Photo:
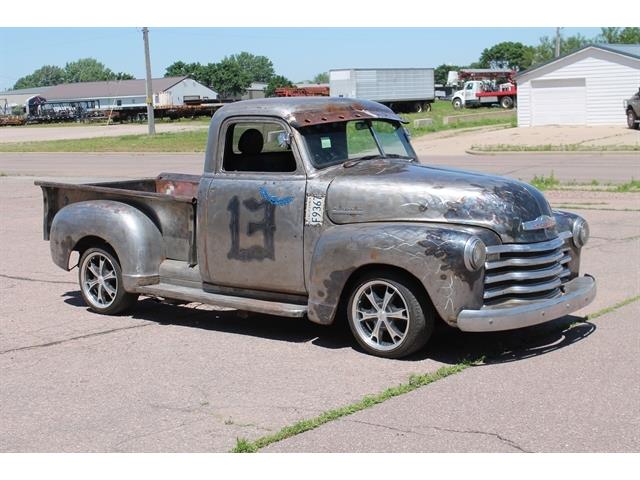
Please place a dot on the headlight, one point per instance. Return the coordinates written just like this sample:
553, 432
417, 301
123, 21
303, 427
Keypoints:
475, 253
580, 232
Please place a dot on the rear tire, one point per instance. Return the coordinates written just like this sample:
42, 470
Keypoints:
100, 279
506, 102
388, 315
632, 119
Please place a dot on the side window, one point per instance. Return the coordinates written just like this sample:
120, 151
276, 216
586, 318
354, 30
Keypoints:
257, 147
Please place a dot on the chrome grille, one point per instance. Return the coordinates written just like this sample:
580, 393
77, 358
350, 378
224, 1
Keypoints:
526, 271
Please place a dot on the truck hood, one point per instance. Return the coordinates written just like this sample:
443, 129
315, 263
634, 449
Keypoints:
395, 190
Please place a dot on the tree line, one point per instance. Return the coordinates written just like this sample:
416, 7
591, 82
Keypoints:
82, 70
231, 76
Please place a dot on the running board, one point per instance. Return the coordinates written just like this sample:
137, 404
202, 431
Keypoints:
190, 294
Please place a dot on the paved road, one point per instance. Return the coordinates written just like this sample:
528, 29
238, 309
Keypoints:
567, 168
190, 378
575, 391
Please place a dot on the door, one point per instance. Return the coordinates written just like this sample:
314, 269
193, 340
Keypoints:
255, 210
470, 92
559, 102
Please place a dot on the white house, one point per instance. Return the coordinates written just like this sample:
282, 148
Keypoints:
585, 87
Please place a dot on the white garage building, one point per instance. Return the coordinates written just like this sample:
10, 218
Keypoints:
586, 87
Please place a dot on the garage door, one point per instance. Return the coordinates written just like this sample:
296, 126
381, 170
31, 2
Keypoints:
559, 102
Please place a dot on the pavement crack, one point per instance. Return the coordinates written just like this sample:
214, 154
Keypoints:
38, 280
71, 339
502, 438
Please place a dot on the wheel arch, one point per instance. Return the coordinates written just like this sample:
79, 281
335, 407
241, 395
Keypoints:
91, 241
381, 269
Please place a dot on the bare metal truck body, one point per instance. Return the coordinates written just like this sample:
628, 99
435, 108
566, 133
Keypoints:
318, 207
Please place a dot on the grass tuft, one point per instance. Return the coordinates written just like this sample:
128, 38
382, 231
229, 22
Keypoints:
552, 183
632, 186
545, 183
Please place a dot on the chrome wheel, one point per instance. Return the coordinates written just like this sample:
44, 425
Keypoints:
380, 315
98, 280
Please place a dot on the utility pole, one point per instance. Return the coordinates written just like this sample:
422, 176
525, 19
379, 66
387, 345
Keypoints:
557, 42
147, 60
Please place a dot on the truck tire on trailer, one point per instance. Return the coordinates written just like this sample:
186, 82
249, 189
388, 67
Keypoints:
420, 107
457, 103
506, 102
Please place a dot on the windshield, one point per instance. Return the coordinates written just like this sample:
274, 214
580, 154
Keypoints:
334, 143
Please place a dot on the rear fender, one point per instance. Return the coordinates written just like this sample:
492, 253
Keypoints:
136, 240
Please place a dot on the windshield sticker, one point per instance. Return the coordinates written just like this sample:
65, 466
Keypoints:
314, 211
325, 142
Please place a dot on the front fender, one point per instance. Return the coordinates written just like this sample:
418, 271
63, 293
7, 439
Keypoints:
433, 253
136, 240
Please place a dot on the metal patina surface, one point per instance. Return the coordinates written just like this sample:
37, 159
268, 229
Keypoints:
394, 190
134, 237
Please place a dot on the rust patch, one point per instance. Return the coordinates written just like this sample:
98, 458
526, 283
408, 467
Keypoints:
340, 112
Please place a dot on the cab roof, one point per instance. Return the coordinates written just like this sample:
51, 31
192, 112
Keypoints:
306, 111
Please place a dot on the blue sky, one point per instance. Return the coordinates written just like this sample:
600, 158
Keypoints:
297, 53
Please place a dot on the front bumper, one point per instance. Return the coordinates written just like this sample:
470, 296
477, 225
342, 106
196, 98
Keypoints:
578, 293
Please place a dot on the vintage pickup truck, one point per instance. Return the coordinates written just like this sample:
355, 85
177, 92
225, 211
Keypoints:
318, 207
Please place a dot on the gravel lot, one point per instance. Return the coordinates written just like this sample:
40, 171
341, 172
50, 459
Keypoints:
192, 379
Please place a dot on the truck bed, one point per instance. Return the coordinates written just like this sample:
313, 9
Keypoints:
169, 200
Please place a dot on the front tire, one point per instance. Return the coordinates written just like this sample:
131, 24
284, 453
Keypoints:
389, 316
100, 278
457, 103
632, 120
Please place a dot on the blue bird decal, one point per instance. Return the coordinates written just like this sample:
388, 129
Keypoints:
273, 200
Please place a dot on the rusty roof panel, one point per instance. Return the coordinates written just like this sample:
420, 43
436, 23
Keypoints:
306, 111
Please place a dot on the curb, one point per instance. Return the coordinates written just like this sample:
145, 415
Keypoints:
553, 152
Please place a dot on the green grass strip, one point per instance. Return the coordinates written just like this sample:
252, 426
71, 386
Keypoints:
570, 147
612, 308
415, 381
602, 209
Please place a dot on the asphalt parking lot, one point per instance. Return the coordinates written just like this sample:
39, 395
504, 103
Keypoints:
194, 379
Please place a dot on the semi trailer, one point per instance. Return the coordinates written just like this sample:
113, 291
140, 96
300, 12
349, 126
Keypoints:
400, 89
